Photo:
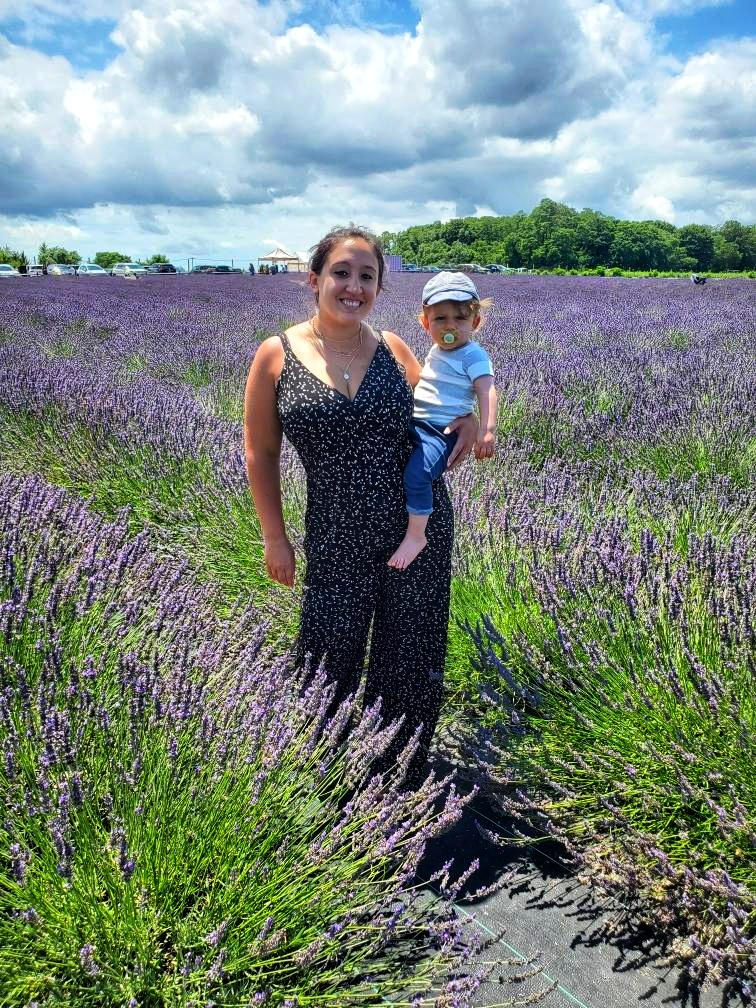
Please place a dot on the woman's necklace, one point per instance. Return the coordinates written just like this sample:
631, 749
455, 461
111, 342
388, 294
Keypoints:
342, 353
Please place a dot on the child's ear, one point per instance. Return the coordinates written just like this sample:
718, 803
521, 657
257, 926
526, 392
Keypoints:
423, 317
476, 321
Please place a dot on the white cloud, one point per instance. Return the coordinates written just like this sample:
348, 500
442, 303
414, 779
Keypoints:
215, 123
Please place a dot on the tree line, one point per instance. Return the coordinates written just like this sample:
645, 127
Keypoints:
555, 236
68, 257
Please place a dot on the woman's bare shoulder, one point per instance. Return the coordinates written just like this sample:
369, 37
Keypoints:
269, 358
397, 346
395, 343
404, 355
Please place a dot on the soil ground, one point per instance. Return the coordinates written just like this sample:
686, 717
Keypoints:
590, 952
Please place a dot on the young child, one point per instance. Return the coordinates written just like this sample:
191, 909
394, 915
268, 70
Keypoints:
457, 371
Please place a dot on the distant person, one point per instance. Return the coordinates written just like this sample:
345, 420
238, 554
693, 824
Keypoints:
251, 269
457, 371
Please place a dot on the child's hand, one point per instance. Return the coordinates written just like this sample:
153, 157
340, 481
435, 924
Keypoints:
485, 446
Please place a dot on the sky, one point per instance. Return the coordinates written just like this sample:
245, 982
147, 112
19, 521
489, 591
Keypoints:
217, 129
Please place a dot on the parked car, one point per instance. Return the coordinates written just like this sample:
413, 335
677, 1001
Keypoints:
471, 268
8, 271
410, 268
127, 269
216, 269
35, 269
60, 269
161, 268
91, 269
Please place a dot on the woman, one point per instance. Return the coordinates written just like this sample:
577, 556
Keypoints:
342, 395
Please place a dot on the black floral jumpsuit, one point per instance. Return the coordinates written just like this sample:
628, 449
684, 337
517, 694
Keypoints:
354, 453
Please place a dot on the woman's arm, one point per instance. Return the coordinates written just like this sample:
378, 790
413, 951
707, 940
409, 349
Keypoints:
262, 445
467, 428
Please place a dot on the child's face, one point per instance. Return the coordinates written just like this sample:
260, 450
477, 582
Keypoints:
450, 317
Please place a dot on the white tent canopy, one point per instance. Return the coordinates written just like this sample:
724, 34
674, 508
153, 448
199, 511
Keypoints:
280, 257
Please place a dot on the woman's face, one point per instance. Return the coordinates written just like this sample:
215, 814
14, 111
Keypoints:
347, 286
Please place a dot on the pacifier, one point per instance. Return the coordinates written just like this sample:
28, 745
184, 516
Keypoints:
449, 337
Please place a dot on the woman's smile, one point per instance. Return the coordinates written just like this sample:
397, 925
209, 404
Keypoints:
348, 284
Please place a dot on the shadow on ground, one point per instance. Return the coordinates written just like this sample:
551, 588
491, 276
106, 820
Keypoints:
591, 949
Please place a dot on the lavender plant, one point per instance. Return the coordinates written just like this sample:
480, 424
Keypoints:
184, 820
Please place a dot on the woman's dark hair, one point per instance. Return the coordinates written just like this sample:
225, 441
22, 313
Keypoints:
320, 252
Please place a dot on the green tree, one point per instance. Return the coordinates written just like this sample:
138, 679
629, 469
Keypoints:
108, 259
433, 252
12, 258
698, 242
387, 242
550, 216
57, 254
459, 253
480, 252
726, 254
554, 235
744, 238
627, 249
595, 233
159, 258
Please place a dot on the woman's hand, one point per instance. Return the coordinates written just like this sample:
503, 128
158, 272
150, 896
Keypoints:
467, 428
279, 561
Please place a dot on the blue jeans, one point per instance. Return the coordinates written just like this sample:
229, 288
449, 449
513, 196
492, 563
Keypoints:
430, 454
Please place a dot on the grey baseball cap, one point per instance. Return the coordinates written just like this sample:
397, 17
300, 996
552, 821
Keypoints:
446, 286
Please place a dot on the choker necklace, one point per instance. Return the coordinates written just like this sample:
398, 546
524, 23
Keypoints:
342, 353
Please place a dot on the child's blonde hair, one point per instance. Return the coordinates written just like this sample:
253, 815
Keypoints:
474, 306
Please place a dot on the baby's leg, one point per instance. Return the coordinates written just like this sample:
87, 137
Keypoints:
414, 541
427, 462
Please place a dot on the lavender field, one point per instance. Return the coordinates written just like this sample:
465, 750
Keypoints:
601, 674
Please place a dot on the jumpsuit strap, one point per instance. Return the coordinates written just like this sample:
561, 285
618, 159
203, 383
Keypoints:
383, 342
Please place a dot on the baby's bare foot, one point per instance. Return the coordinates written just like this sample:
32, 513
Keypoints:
407, 550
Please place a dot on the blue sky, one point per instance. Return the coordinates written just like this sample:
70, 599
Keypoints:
88, 46
689, 32
218, 127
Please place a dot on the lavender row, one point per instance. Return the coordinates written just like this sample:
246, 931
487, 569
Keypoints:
617, 688
183, 819
608, 375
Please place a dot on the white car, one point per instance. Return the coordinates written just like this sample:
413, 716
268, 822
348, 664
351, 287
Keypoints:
126, 269
60, 269
8, 271
91, 269
35, 269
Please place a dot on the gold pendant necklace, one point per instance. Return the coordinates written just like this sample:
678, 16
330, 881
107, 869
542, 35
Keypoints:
342, 353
